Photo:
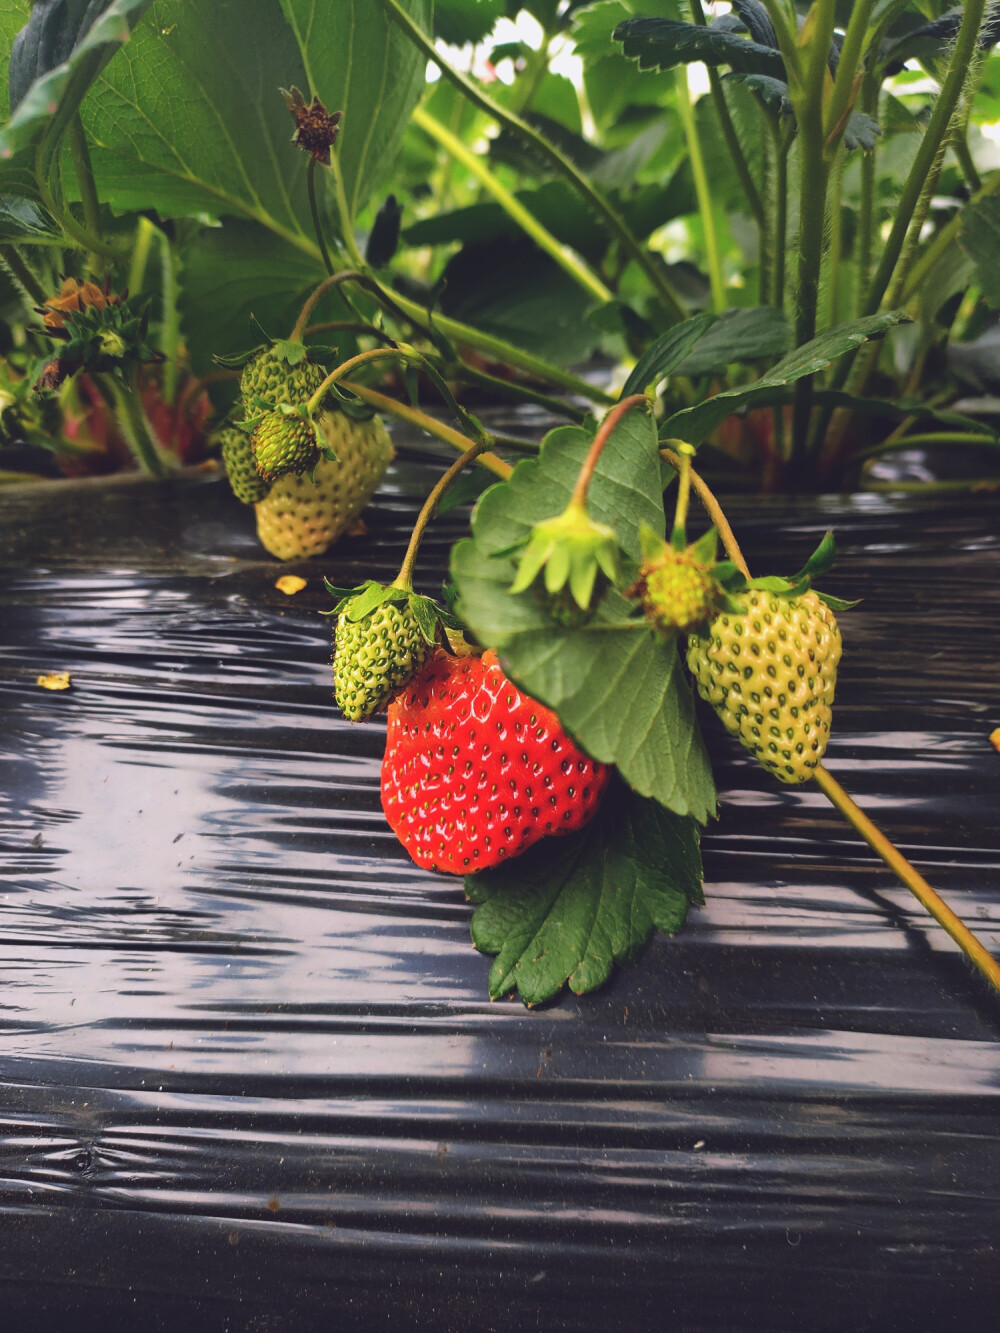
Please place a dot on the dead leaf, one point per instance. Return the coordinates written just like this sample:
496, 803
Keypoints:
290, 584
54, 680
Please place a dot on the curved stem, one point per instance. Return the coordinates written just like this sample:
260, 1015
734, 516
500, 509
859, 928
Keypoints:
702, 191
382, 403
714, 511
935, 135
344, 213
685, 453
84, 170
22, 274
410, 313
512, 206
611, 218
941, 241
134, 426
915, 882
316, 221
404, 579
610, 421
347, 326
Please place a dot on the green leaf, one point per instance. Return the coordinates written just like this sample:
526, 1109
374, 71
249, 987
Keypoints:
862, 132
45, 96
359, 62
22, 221
770, 92
695, 424
664, 356
617, 687
981, 241
739, 335
662, 44
462, 21
573, 908
239, 275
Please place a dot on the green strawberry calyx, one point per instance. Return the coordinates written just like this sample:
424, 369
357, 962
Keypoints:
815, 567
572, 549
355, 604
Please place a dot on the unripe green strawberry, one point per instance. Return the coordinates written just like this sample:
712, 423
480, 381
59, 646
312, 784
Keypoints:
271, 379
769, 670
299, 517
283, 445
237, 458
677, 591
374, 657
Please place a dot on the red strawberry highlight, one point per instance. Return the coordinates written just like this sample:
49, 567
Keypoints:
475, 770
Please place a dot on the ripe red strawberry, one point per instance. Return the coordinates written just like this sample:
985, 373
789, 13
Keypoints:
475, 771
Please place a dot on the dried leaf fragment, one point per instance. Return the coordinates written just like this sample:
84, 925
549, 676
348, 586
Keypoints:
290, 584
995, 739
54, 680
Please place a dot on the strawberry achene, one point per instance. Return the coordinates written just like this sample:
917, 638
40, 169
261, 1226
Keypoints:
475, 770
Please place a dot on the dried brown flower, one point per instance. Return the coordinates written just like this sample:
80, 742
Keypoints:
316, 128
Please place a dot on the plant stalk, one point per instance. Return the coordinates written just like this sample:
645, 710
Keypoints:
611, 218
512, 206
316, 220
145, 449
714, 511
83, 167
702, 191
915, 882
382, 403
171, 329
22, 274
404, 579
608, 423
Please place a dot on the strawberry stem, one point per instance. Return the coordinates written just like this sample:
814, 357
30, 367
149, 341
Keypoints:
383, 403
610, 421
685, 452
314, 210
925, 895
404, 578
714, 511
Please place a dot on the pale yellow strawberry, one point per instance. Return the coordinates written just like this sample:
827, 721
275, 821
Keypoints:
301, 518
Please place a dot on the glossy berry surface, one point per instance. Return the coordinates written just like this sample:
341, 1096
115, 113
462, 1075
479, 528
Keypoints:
475, 771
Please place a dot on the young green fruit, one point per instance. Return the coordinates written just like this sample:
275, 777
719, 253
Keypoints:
270, 379
283, 445
300, 517
676, 588
237, 458
769, 669
374, 657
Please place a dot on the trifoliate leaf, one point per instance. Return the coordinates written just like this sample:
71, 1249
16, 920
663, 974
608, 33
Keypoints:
573, 908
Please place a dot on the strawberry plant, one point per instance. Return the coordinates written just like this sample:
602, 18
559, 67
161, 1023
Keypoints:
782, 274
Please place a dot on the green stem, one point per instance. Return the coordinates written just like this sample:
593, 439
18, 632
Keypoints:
382, 403
678, 536
749, 186
782, 146
512, 206
839, 108
960, 147
942, 241
134, 426
936, 135
84, 175
316, 220
702, 191
608, 423
144, 232
915, 882
22, 274
347, 236
403, 308
404, 579
171, 328
611, 218
713, 509
866, 212
832, 282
